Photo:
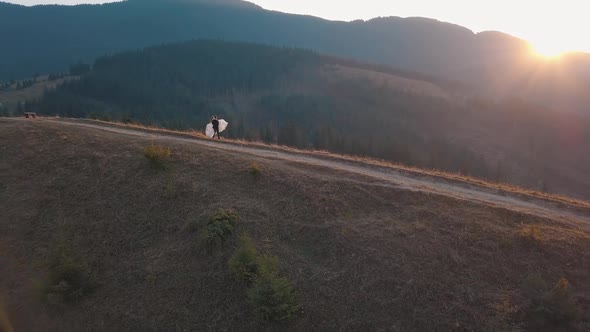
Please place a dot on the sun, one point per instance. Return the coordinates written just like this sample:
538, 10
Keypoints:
550, 51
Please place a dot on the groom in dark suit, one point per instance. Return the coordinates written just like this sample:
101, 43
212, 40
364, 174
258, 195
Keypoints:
215, 124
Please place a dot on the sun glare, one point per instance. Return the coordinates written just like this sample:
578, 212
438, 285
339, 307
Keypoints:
551, 50
548, 51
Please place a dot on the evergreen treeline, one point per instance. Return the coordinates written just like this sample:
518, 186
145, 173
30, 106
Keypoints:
267, 93
25, 84
6, 85
57, 76
284, 96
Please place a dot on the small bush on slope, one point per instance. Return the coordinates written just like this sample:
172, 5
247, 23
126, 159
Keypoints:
219, 227
157, 155
255, 170
272, 296
244, 262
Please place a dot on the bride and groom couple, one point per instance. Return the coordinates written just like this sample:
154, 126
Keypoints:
215, 126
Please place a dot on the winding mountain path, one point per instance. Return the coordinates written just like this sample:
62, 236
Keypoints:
574, 212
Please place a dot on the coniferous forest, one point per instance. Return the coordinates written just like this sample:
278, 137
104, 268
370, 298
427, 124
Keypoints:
303, 99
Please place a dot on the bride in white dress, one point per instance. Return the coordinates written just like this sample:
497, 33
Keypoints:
210, 131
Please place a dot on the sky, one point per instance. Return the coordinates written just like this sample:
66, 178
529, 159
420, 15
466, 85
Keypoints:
552, 26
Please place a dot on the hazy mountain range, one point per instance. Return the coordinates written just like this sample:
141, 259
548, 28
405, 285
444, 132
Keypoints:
44, 39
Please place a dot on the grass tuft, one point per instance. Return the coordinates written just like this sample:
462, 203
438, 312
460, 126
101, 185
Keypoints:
255, 170
530, 234
157, 155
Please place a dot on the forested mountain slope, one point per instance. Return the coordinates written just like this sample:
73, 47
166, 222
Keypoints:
43, 39
300, 98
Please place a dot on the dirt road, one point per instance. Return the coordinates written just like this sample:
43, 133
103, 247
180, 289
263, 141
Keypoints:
570, 213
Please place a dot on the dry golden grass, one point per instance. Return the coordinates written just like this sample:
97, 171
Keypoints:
360, 256
447, 176
10, 98
255, 170
158, 155
530, 234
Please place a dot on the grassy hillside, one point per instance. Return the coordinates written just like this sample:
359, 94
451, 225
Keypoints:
359, 255
11, 95
300, 98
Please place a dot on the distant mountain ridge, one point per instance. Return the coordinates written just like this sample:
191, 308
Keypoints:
42, 39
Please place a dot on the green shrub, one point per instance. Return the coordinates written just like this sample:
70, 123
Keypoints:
268, 265
247, 264
220, 226
244, 262
554, 305
157, 155
255, 170
273, 297
68, 281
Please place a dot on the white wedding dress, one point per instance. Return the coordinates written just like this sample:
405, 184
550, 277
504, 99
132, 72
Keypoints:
209, 129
